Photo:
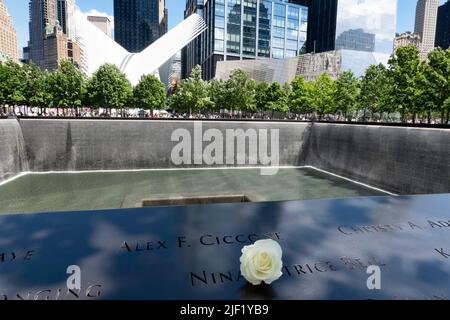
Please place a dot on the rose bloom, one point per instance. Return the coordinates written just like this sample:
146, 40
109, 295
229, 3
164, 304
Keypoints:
261, 262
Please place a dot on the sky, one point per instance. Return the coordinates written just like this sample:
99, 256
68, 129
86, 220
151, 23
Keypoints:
18, 9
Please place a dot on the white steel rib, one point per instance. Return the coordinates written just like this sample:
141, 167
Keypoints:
97, 48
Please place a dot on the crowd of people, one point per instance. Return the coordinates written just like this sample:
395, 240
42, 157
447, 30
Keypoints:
170, 114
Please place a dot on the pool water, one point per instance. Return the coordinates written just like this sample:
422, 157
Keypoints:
38, 192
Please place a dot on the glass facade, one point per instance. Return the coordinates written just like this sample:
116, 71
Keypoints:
363, 25
191, 55
252, 29
264, 28
443, 27
366, 25
138, 23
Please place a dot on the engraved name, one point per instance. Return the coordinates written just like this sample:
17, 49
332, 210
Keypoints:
311, 268
91, 292
406, 226
16, 256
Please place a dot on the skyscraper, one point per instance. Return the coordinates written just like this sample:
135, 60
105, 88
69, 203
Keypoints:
425, 26
138, 23
191, 54
443, 26
42, 23
65, 12
8, 36
52, 33
364, 25
246, 29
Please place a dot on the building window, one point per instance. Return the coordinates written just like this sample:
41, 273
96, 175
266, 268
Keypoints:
290, 54
293, 13
278, 42
280, 10
219, 34
234, 26
277, 53
218, 45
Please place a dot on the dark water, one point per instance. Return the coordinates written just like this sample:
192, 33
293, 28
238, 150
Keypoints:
104, 190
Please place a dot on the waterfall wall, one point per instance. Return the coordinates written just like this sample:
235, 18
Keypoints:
76, 145
13, 158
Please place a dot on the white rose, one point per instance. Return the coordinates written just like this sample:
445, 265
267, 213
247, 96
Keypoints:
261, 262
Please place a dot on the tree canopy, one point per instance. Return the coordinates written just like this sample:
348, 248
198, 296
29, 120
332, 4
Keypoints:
149, 93
406, 89
109, 88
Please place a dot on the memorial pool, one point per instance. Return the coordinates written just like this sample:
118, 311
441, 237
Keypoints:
49, 192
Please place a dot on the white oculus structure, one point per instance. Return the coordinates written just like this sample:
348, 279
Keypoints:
97, 48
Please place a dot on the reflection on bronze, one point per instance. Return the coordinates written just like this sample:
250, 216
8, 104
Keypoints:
261, 292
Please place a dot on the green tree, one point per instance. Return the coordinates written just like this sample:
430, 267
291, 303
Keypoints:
261, 96
299, 98
3, 79
34, 85
109, 88
217, 94
193, 94
240, 91
67, 86
403, 77
47, 93
372, 86
346, 93
435, 84
277, 98
321, 94
149, 93
12, 85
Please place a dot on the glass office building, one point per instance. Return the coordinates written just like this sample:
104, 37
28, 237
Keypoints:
363, 25
139, 23
251, 29
443, 26
192, 53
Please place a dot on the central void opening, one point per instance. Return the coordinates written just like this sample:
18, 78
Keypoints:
49, 192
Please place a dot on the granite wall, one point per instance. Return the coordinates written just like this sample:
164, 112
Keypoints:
60, 145
398, 159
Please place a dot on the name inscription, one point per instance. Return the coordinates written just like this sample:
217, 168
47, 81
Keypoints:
311, 268
16, 256
406, 226
206, 240
91, 292
443, 252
